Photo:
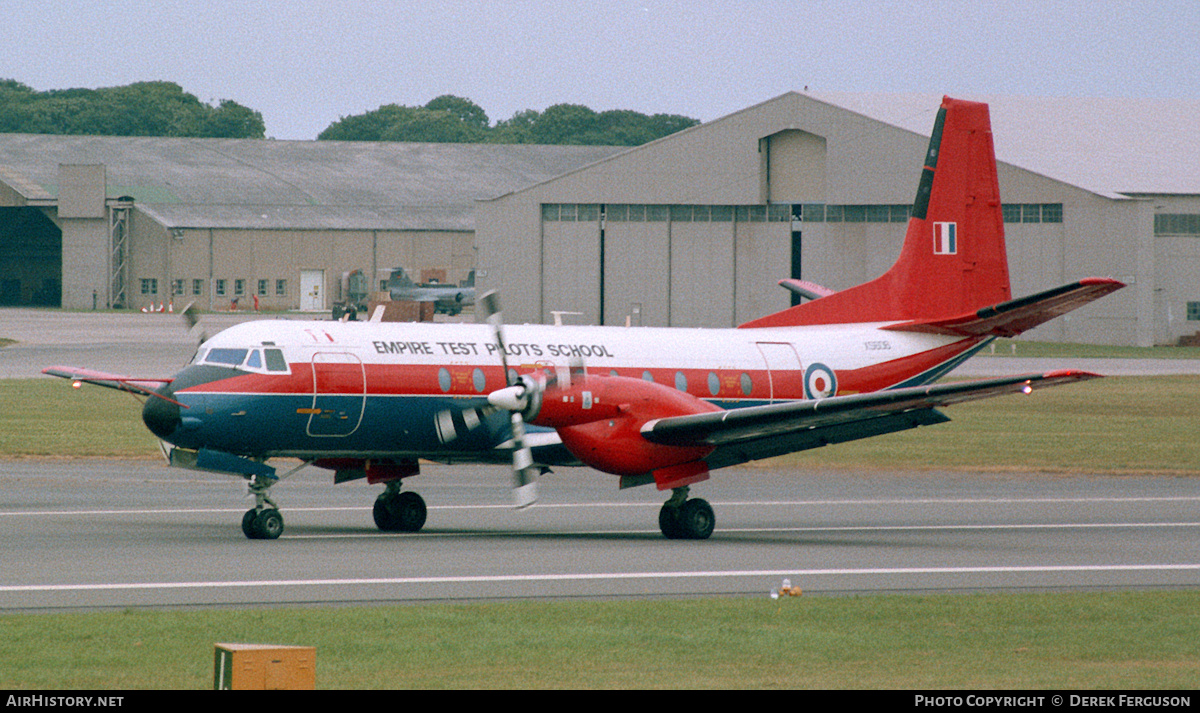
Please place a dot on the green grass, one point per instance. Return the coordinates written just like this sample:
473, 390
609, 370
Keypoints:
1112, 425
48, 417
1130, 640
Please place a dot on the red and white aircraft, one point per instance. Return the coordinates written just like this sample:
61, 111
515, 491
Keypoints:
662, 406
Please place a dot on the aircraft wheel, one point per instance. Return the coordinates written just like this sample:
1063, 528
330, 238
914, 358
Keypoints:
248, 523
668, 522
262, 524
696, 519
400, 512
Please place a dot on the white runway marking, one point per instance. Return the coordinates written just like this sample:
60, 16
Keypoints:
599, 576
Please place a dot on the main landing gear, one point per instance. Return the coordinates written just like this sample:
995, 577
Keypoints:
683, 519
397, 511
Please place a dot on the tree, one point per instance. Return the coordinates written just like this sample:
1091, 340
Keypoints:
139, 109
465, 110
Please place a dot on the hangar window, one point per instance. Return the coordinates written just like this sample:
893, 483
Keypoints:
879, 214
281, 288
587, 212
722, 213
1177, 224
197, 287
550, 212
637, 213
779, 213
1052, 212
176, 287
1031, 213
751, 213
219, 286
262, 287
854, 213
1193, 311
239, 287
833, 214
149, 286
900, 213
617, 212
681, 213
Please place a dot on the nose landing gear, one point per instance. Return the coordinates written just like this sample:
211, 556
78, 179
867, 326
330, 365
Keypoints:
263, 521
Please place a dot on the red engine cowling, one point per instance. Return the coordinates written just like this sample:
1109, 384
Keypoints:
600, 418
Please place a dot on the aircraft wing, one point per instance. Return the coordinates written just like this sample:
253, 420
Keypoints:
141, 387
751, 433
1015, 316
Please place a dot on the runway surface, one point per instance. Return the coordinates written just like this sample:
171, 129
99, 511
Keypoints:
85, 534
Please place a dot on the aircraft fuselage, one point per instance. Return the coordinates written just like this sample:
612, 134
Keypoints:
406, 390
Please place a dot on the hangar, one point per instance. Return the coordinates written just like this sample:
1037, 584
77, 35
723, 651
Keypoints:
694, 229
88, 221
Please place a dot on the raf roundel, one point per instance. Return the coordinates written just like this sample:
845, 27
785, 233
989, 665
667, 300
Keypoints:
819, 382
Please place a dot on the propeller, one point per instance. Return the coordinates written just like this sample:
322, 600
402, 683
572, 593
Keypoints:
521, 395
191, 319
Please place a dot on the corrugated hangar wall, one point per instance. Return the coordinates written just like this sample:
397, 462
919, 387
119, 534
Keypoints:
697, 228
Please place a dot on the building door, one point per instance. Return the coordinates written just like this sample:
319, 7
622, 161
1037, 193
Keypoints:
312, 290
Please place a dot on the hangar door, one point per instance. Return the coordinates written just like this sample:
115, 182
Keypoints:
30, 259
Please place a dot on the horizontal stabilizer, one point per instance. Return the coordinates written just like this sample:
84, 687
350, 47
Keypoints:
806, 289
1011, 318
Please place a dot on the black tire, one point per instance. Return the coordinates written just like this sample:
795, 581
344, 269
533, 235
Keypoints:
268, 525
402, 512
385, 517
410, 510
696, 519
248, 524
668, 522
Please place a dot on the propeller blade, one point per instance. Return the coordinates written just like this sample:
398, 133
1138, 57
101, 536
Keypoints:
514, 398
524, 472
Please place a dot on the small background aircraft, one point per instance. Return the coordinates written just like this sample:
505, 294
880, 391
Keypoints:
447, 299
648, 405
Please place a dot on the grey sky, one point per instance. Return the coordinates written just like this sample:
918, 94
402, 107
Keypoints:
306, 63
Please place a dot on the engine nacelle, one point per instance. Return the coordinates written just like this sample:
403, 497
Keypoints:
599, 419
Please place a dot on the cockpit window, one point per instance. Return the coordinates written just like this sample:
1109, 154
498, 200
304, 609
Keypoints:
227, 357
275, 360
255, 360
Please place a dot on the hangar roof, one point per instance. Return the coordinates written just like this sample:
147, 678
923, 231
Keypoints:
1110, 146
257, 183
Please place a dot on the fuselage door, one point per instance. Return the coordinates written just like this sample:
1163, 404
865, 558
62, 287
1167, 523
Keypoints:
785, 374
339, 394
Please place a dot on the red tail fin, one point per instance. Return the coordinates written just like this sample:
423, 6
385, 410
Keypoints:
953, 259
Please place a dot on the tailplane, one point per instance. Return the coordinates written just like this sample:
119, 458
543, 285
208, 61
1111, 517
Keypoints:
953, 260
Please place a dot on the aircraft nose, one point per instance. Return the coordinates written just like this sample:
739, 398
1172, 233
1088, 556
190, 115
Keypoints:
161, 416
